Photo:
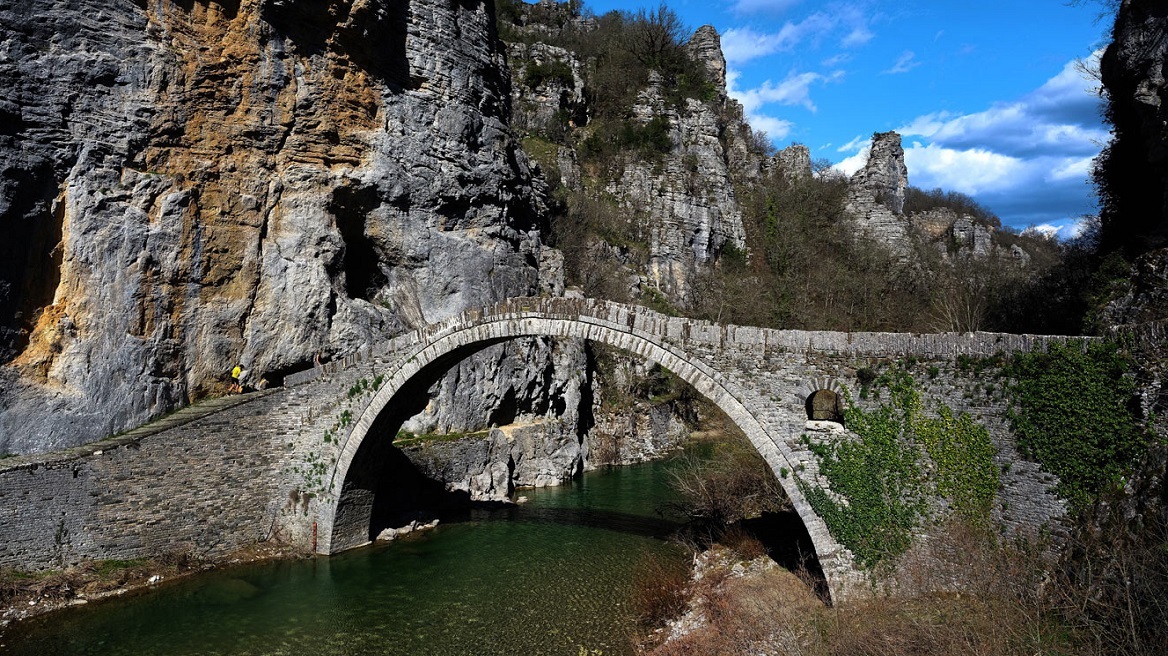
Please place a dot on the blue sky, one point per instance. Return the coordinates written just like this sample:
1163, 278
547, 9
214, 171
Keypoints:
986, 94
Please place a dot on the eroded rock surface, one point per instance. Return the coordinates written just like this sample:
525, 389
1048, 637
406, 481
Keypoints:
1135, 164
876, 196
187, 186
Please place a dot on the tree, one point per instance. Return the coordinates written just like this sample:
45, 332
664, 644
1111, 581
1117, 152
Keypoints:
655, 38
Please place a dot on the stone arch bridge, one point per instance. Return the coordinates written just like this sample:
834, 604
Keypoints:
298, 463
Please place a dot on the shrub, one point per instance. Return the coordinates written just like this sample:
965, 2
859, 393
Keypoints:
1073, 415
538, 74
734, 484
921, 200
659, 589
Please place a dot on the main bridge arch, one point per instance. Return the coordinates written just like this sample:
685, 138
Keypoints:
345, 514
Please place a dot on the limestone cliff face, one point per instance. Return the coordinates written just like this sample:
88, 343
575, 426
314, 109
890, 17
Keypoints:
1133, 169
682, 205
1132, 176
186, 185
686, 203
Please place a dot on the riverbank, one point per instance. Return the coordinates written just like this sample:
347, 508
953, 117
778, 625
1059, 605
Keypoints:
25, 595
966, 592
552, 575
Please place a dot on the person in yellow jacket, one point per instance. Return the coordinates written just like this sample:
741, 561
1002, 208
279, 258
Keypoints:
237, 385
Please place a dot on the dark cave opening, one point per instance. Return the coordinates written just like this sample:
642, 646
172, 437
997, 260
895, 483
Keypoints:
30, 253
351, 206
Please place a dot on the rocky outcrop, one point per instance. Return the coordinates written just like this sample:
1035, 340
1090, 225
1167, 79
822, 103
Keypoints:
502, 386
1146, 297
490, 467
884, 176
876, 204
794, 161
186, 186
685, 204
956, 235
1133, 169
876, 195
549, 96
681, 206
1138, 317
647, 432
706, 46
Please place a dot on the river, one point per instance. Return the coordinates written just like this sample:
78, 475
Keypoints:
551, 576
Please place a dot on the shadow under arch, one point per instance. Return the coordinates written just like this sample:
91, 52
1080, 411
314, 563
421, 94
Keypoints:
345, 516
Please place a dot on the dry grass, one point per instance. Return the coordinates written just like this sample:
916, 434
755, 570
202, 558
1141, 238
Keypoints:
659, 591
764, 611
964, 592
734, 484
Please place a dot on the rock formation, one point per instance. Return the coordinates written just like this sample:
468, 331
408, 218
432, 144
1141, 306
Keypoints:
187, 186
876, 196
876, 203
706, 46
686, 203
794, 160
682, 206
957, 235
1133, 169
1132, 173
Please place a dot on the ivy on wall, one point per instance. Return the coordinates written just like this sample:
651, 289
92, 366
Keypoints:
1072, 410
903, 464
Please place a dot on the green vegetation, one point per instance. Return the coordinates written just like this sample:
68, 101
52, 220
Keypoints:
1073, 414
648, 140
962, 452
880, 491
364, 386
406, 438
600, 241
922, 200
553, 71
880, 479
806, 269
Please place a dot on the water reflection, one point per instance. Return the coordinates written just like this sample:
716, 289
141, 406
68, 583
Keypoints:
548, 577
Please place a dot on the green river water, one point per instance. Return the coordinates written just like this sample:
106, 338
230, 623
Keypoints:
552, 576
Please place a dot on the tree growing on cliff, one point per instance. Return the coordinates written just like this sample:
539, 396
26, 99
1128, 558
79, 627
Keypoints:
655, 38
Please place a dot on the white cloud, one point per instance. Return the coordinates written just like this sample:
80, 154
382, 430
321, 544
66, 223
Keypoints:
793, 90
1061, 229
856, 162
1028, 160
835, 61
905, 63
742, 44
1076, 169
971, 171
1060, 117
856, 19
776, 129
858, 36
857, 144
